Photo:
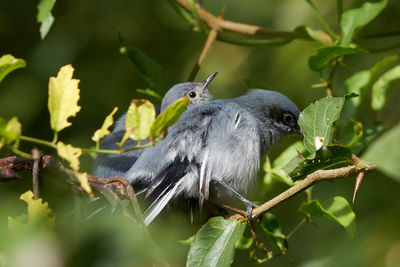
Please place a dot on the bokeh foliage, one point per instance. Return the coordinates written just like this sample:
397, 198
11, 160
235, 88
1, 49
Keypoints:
89, 35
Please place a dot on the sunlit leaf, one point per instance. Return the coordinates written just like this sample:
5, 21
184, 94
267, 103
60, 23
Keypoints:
381, 86
272, 228
326, 157
151, 70
338, 210
276, 170
327, 53
63, 98
44, 16
355, 19
214, 243
139, 119
83, 180
10, 131
38, 213
385, 153
69, 153
8, 63
317, 120
103, 131
168, 117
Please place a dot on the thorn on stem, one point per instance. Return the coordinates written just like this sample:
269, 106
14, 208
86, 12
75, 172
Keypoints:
300, 155
359, 179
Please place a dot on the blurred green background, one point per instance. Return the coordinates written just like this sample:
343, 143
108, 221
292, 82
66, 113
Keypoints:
85, 34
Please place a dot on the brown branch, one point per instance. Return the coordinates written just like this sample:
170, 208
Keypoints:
11, 165
309, 181
212, 36
35, 172
218, 23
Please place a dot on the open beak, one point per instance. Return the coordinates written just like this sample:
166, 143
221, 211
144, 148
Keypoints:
209, 79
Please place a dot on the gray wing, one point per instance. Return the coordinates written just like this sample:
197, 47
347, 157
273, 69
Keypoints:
171, 167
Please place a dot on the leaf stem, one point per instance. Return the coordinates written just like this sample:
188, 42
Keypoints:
297, 227
55, 138
323, 23
39, 141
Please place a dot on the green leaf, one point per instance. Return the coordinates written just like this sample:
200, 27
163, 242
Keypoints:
168, 117
325, 158
103, 131
316, 122
327, 53
351, 134
318, 36
8, 63
288, 154
10, 131
44, 16
276, 171
151, 71
214, 243
359, 82
63, 98
338, 210
272, 228
150, 92
139, 119
38, 213
354, 20
385, 153
244, 243
381, 86
187, 241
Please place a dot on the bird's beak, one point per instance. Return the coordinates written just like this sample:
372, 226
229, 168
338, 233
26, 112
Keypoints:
209, 79
299, 131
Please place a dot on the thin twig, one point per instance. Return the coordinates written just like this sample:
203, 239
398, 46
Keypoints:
215, 22
212, 36
309, 181
36, 156
329, 82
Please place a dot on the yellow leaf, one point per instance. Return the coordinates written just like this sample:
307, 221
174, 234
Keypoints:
103, 131
70, 153
38, 212
83, 180
139, 119
63, 98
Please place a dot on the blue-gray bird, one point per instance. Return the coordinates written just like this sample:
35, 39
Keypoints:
110, 165
213, 146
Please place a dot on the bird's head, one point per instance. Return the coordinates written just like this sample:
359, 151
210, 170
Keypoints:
276, 111
196, 91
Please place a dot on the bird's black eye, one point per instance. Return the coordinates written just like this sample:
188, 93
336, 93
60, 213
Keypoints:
288, 118
192, 94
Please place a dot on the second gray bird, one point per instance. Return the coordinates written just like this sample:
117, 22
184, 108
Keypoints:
216, 145
110, 165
